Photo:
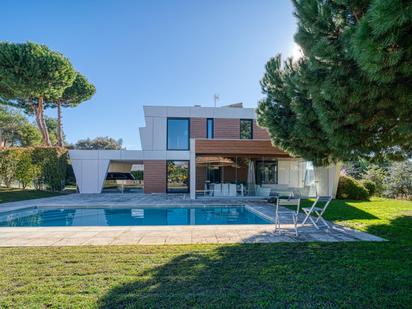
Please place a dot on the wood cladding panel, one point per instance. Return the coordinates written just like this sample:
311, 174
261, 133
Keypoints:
238, 147
154, 176
258, 132
198, 128
227, 128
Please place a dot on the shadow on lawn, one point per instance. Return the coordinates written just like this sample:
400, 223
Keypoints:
399, 229
343, 210
277, 275
229, 276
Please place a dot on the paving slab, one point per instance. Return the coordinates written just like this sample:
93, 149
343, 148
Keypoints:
205, 240
71, 242
125, 241
99, 241
153, 240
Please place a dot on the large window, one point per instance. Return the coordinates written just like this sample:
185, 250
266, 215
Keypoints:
177, 176
246, 128
210, 128
178, 134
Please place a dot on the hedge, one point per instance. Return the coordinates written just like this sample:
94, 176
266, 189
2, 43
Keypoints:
350, 188
45, 167
370, 186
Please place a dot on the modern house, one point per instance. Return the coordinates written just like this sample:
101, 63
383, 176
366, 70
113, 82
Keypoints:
208, 152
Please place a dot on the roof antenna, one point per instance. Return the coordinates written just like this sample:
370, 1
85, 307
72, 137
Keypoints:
216, 98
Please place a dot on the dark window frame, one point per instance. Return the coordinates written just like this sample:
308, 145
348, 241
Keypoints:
167, 133
251, 128
213, 128
167, 176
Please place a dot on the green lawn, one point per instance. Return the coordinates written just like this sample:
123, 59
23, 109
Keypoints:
297, 275
13, 195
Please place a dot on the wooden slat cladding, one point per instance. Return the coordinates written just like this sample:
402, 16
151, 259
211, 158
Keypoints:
258, 132
227, 128
197, 127
238, 147
154, 176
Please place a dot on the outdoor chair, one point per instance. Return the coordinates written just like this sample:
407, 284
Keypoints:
232, 189
318, 210
293, 213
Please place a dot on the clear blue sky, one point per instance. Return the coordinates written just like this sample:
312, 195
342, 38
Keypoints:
154, 53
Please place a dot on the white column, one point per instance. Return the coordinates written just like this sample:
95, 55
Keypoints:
192, 169
90, 174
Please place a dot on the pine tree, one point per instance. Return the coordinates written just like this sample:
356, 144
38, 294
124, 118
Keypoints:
288, 113
81, 90
349, 94
29, 73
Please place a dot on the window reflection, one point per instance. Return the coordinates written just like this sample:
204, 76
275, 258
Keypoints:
246, 129
210, 128
177, 176
178, 134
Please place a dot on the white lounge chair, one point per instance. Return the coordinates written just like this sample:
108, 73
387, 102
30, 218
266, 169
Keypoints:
232, 189
318, 208
293, 213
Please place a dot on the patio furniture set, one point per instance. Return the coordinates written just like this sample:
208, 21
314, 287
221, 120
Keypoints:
317, 209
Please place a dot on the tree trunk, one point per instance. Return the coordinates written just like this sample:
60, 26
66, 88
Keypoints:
2, 140
36, 116
45, 129
59, 125
38, 113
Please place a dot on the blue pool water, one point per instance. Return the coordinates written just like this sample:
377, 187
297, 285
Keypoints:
130, 216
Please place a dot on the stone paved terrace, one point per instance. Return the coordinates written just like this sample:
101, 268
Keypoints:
190, 234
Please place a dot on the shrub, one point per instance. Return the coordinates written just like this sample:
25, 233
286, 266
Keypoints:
44, 166
8, 164
370, 186
399, 180
52, 162
70, 177
376, 174
26, 171
350, 188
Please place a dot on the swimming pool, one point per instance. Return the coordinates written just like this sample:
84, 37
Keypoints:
208, 215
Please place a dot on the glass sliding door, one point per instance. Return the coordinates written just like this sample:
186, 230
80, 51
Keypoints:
253, 175
235, 176
178, 176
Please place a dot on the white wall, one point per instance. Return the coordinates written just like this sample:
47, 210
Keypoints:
91, 166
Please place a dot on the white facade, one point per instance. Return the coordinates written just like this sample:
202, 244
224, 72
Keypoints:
91, 166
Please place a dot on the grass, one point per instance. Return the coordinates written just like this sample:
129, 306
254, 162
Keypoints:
13, 195
297, 275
